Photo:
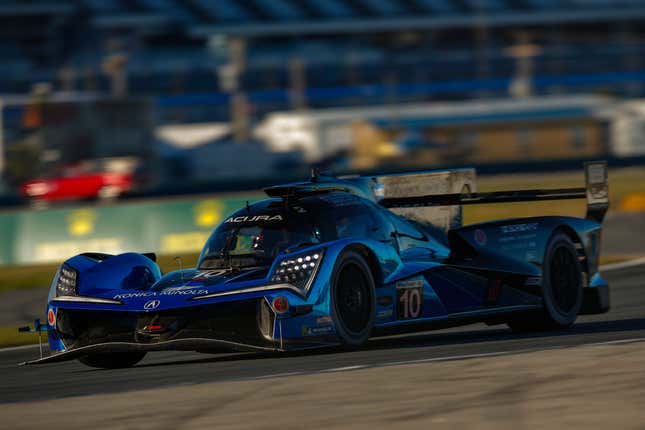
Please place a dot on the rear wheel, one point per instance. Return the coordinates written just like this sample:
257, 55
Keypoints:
561, 289
116, 360
353, 299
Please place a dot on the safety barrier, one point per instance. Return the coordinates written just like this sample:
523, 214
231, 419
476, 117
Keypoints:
169, 226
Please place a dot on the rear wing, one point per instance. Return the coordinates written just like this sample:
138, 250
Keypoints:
405, 187
596, 193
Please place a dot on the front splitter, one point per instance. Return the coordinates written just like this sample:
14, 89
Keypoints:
190, 344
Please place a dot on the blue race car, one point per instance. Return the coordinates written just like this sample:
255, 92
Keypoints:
334, 262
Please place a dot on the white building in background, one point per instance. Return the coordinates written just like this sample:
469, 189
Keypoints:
324, 133
627, 128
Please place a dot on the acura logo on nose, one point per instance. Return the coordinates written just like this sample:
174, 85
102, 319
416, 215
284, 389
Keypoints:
152, 304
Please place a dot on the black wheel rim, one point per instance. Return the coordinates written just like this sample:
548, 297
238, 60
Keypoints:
565, 280
353, 298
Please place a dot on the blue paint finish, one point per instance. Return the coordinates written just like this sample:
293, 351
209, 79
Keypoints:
452, 296
433, 305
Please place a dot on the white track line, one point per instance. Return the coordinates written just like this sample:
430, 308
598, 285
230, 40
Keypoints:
279, 375
454, 357
622, 265
457, 357
346, 368
617, 342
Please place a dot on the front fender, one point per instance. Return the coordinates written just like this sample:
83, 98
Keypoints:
129, 271
381, 255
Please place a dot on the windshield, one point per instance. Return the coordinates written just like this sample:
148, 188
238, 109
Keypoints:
247, 244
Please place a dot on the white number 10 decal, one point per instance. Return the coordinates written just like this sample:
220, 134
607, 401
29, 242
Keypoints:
411, 303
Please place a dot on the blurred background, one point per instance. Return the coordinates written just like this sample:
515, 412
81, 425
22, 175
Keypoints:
137, 125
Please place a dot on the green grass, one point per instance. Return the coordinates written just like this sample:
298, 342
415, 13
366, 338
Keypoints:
9, 336
37, 276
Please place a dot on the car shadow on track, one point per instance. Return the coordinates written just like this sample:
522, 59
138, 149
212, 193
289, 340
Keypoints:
494, 334
591, 331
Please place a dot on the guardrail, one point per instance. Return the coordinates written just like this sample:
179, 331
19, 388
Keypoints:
168, 226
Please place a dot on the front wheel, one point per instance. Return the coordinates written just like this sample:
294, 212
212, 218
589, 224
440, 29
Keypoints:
353, 300
561, 289
116, 360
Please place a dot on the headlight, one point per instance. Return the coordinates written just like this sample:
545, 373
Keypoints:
67, 282
299, 270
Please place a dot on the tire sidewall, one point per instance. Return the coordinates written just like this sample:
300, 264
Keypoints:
559, 240
347, 337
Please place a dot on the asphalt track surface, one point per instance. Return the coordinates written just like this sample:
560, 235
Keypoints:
624, 323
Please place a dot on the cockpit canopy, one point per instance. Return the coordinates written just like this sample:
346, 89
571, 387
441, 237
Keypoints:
256, 235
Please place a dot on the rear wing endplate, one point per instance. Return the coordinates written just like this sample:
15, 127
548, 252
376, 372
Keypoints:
596, 192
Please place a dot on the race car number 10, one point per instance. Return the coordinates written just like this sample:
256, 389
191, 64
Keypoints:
410, 303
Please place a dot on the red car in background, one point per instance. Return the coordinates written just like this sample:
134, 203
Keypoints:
90, 179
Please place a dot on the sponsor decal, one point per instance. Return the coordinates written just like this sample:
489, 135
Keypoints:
515, 243
387, 313
316, 331
177, 291
203, 276
51, 317
531, 255
384, 300
480, 237
151, 304
323, 320
254, 218
519, 228
416, 283
533, 282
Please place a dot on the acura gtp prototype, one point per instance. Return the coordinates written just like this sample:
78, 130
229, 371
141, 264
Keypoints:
335, 261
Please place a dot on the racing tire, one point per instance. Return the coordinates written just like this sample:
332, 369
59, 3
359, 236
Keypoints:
353, 299
116, 360
562, 291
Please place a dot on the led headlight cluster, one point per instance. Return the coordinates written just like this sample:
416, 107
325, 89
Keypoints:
67, 281
297, 270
